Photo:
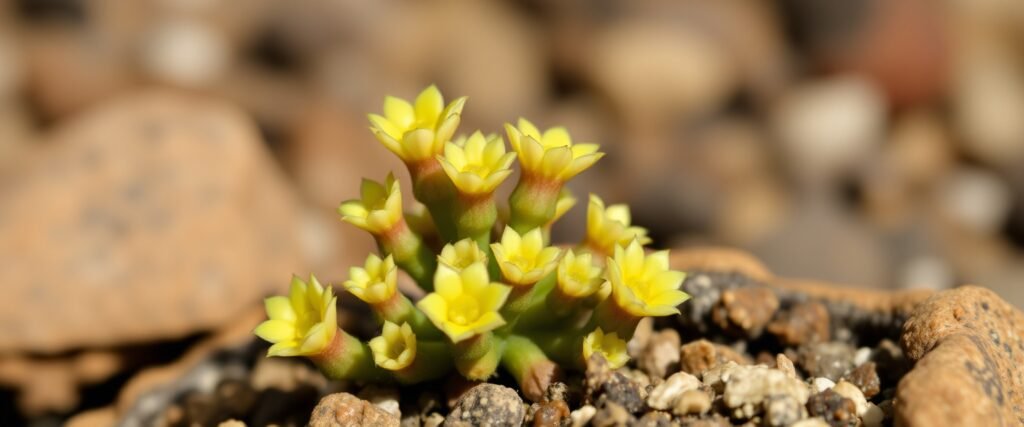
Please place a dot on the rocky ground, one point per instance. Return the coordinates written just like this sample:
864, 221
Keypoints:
741, 354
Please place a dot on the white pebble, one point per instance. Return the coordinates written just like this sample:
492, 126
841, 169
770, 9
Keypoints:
853, 393
821, 384
873, 416
666, 394
862, 356
582, 416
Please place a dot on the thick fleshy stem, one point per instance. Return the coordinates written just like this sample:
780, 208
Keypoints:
529, 366
564, 346
399, 310
348, 358
475, 216
477, 358
433, 360
432, 187
410, 253
532, 203
610, 317
521, 299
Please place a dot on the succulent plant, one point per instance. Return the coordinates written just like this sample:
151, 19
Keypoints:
499, 295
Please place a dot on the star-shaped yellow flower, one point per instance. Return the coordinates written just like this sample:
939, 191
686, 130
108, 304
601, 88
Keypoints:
375, 282
379, 207
550, 155
302, 324
417, 132
464, 303
643, 285
578, 277
524, 260
395, 348
462, 254
610, 346
610, 226
478, 165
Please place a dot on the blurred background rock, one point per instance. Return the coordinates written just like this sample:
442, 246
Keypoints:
166, 163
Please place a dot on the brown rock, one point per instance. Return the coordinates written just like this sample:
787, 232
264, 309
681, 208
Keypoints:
806, 322
551, 414
837, 410
745, 310
866, 379
661, 354
968, 350
166, 201
701, 355
343, 409
605, 384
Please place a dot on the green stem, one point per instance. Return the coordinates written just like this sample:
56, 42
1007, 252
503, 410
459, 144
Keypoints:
347, 358
477, 358
532, 203
475, 217
410, 253
529, 366
433, 360
564, 346
400, 310
434, 189
612, 318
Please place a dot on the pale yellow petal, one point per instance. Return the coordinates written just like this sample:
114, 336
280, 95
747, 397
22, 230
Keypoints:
275, 331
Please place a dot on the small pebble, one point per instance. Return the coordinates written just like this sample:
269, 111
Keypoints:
489, 404
582, 416
433, 420
701, 355
783, 364
836, 410
783, 410
821, 384
873, 417
666, 394
611, 414
853, 393
862, 356
661, 355
692, 402
866, 379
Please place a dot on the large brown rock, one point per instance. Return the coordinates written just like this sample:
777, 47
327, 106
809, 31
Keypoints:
343, 409
968, 348
151, 217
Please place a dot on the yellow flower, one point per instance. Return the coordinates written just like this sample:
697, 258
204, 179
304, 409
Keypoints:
462, 254
643, 285
375, 282
577, 275
608, 227
417, 132
610, 346
524, 260
550, 155
379, 207
464, 303
302, 324
395, 348
478, 165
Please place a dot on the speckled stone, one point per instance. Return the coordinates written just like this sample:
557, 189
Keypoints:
968, 350
487, 404
150, 217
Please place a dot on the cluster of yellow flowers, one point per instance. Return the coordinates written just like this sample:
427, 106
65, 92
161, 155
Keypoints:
499, 294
